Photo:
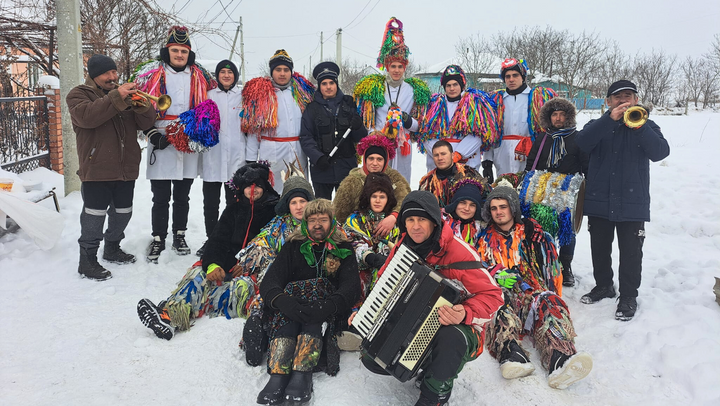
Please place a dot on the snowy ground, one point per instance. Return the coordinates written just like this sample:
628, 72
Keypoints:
70, 341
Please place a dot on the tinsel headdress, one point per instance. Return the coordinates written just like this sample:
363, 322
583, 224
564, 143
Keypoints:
393, 48
178, 35
378, 139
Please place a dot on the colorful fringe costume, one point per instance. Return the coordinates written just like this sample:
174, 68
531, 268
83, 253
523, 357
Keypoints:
440, 187
195, 130
260, 104
360, 227
474, 115
550, 199
534, 305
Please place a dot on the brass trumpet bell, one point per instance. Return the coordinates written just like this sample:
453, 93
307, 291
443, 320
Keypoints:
163, 102
635, 117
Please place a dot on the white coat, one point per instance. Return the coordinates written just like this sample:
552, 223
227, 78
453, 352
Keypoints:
405, 100
469, 146
221, 161
169, 163
278, 152
515, 123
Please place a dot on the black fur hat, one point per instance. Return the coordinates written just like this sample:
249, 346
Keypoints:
557, 104
377, 182
257, 174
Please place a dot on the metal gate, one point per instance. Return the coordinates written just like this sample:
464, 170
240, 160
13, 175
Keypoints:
24, 133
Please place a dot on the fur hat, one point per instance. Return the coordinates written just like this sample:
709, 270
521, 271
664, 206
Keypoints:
280, 58
257, 174
377, 182
293, 187
393, 48
470, 189
507, 193
453, 72
229, 65
376, 139
99, 64
557, 104
519, 65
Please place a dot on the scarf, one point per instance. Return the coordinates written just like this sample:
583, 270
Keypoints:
327, 243
558, 150
283, 87
394, 83
517, 91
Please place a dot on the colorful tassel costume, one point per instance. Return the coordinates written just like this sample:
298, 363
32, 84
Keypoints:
260, 104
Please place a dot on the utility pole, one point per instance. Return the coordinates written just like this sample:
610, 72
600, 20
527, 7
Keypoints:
242, 52
232, 49
338, 52
310, 67
321, 46
70, 57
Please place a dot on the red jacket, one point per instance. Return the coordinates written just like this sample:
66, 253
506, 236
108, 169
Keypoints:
484, 294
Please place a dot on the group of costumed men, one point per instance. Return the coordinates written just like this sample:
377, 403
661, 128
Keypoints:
289, 260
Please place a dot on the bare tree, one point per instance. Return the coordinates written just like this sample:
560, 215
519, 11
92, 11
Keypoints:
578, 59
614, 65
654, 75
692, 71
475, 58
539, 47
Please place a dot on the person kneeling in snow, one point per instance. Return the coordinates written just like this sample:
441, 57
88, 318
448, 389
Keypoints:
313, 279
524, 261
207, 288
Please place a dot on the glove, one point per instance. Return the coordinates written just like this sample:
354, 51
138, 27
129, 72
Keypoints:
319, 310
323, 163
293, 308
158, 140
374, 260
407, 120
507, 278
488, 171
356, 123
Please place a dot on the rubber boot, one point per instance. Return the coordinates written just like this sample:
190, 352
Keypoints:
89, 267
280, 361
307, 353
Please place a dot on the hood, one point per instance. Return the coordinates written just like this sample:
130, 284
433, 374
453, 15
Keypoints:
555, 104
427, 201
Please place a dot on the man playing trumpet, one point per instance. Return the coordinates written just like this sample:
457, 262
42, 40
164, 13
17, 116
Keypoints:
618, 193
106, 118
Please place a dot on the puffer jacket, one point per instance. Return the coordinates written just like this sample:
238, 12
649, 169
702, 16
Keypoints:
106, 129
618, 180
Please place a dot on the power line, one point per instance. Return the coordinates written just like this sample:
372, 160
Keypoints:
369, 12
358, 15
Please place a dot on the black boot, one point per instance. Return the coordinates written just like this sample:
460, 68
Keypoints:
156, 247
255, 340
430, 398
89, 266
201, 251
113, 253
300, 388
274, 391
568, 277
179, 244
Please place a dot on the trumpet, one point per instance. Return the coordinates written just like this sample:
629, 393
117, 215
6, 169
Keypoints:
163, 102
635, 117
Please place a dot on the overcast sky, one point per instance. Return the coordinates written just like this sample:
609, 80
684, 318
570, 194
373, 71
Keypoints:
432, 28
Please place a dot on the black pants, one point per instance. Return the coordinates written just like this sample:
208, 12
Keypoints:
568, 251
162, 190
325, 190
113, 198
294, 328
211, 203
631, 235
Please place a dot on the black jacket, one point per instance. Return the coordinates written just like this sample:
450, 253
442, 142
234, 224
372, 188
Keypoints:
618, 181
290, 266
576, 160
323, 124
227, 238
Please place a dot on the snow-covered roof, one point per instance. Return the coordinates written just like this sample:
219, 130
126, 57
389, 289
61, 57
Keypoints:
439, 67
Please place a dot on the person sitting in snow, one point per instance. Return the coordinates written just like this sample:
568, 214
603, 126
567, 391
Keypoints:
440, 180
463, 212
214, 285
313, 279
524, 261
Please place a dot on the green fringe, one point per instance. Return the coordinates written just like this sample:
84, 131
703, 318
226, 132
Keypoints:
179, 313
547, 217
139, 67
372, 88
421, 91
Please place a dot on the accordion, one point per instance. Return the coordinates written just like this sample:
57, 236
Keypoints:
399, 318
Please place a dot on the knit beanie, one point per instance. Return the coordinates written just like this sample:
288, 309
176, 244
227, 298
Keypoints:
280, 58
467, 189
453, 72
229, 65
510, 195
294, 186
99, 64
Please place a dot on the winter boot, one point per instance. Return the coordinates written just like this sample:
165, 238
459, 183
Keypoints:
156, 247
179, 245
568, 277
156, 319
566, 370
307, 353
113, 253
597, 294
514, 363
89, 267
279, 366
254, 340
201, 251
626, 308
430, 398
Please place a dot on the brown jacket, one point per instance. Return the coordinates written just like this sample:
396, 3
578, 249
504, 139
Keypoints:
106, 128
347, 196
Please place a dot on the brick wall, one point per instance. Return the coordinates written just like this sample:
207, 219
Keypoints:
55, 124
